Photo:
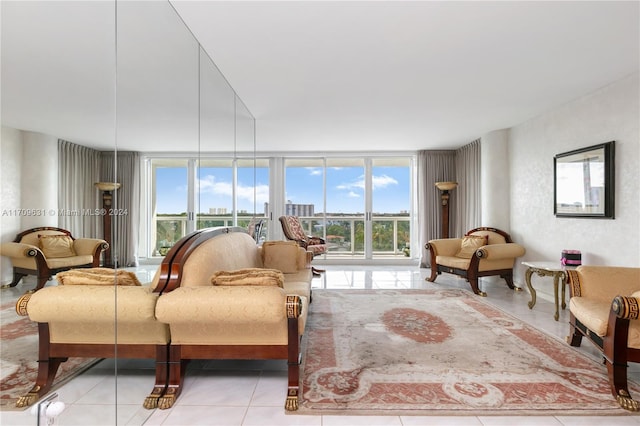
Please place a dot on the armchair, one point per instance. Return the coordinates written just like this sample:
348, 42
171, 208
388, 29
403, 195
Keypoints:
45, 251
604, 308
293, 230
481, 252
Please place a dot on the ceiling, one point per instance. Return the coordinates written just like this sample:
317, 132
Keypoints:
317, 76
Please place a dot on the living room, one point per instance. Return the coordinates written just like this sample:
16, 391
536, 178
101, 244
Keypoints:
596, 101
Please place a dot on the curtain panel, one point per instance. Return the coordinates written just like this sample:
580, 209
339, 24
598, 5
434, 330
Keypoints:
78, 199
468, 212
433, 166
124, 168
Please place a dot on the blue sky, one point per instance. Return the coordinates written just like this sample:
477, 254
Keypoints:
345, 189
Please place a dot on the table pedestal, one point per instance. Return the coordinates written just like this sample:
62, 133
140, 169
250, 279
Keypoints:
547, 269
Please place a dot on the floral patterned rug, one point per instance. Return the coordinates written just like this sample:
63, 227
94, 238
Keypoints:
440, 352
19, 357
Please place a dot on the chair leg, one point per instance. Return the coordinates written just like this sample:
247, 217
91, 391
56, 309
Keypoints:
434, 274
316, 272
618, 380
17, 276
509, 279
473, 281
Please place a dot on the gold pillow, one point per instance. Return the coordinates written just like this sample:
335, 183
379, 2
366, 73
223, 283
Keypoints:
470, 244
249, 276
98, 276
54, 246
280, 255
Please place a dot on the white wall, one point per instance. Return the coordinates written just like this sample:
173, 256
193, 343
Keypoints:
10, 178
611, 113
29, 181
494, 180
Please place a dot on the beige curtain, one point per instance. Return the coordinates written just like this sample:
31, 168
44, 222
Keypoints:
78, 199
467, 194
433, 166
124, 168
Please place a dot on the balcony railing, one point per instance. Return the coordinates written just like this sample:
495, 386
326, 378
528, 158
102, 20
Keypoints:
344, 233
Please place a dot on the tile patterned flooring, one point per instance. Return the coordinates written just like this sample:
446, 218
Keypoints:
248, 393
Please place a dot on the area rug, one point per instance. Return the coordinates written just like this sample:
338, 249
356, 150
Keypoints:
440, 352
19, 357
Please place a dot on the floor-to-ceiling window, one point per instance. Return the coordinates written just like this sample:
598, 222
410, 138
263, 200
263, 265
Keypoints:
361, 205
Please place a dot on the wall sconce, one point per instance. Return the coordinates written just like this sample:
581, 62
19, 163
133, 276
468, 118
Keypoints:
107, 202
445, 187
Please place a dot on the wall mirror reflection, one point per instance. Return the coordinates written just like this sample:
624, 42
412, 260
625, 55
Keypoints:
584, 182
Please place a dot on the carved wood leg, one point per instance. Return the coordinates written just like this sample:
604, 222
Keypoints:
575, 339
293, 366
509, 279
17, 276
162, 378
617, 372
177, 368
41, 282
473, 281
434, 273
615, 358
47, 370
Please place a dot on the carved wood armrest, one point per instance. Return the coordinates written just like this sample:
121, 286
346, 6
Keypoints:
293, 304
626, 307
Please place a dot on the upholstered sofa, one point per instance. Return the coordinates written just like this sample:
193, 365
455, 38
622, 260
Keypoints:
605, 307
481, 252
45, 251
181, 315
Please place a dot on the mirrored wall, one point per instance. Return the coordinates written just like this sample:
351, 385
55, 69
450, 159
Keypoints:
121, 80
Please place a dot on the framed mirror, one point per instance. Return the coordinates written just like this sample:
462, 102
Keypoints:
584, 182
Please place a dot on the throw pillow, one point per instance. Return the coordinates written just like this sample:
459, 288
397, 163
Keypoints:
249, 276
280, 255
54, 246
98, 276
470, 244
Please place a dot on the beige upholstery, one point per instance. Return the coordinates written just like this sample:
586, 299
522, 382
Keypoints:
604, 307
180, 315
28, 258
198, 312
497, 257
87, 314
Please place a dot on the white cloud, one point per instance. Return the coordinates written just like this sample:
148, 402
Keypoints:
209, 185
378, 182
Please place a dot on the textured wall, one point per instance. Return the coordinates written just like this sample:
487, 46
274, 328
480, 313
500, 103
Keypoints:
611, 113
10, 176
495, 180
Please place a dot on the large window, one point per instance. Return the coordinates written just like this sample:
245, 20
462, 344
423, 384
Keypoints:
360, 205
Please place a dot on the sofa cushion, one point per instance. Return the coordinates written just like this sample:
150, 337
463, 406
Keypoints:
249, 276
280, 255
470, 244
54, 246
98, 276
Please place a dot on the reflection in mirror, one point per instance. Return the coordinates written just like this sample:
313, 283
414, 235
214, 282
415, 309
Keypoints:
584, 182
120, 79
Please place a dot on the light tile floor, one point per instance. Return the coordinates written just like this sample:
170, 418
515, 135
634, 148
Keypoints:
251, 393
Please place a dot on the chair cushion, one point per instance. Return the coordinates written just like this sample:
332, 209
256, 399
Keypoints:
594, 314
470, 244
249, 276
54, 246
280, 255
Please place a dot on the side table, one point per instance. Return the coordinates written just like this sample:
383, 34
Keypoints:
547, 269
